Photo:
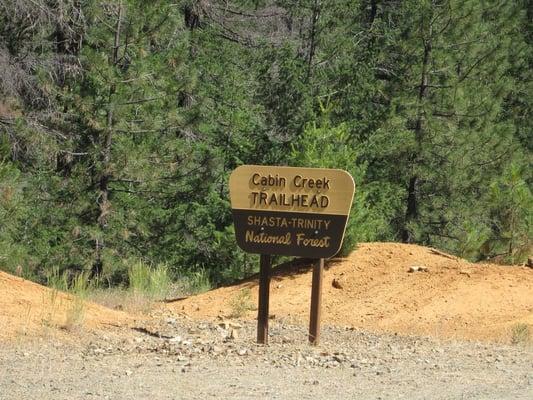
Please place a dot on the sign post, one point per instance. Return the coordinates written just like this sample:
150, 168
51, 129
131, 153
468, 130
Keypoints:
316, 301
265, 264
290, 211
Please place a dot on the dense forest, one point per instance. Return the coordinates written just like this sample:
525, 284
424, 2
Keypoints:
121, 120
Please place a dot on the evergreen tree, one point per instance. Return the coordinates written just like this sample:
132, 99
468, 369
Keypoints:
121, 121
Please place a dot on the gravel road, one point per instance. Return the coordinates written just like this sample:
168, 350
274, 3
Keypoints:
177, 358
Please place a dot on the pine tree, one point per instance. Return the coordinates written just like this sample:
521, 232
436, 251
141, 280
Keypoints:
443, 138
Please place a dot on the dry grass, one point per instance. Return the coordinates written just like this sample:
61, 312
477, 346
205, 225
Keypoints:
122, 299
520, 334
241, 303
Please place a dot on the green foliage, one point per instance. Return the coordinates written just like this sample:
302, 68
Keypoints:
153, 282
194, 282
322, 145
13, 254
57, 280
80, 288
511, 207
120, 123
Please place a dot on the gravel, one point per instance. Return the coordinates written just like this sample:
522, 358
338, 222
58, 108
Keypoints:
176, 358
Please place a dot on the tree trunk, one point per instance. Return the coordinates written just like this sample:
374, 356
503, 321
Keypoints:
312, 44
105, 175
412, 204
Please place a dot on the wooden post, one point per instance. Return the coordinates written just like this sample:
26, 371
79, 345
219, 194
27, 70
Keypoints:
316, 300
265, 264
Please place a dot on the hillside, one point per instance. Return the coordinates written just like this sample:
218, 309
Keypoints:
29, 309
453, 299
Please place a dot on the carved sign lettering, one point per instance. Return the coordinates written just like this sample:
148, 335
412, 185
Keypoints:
290, 211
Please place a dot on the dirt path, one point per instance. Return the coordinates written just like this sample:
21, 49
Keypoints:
388, 334
180, 359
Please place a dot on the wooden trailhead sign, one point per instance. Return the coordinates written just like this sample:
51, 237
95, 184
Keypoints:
293, 212
290, 211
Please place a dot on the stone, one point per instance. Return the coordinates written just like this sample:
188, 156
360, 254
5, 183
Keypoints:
418, 268
224, 324
175, 339
336, 284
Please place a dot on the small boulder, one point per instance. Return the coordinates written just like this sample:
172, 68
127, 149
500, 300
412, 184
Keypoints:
418, 268
233, 334
336, 284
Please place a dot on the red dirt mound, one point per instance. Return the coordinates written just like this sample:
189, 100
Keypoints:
27, 308
374, 290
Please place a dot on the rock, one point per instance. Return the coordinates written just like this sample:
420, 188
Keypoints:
175, 339
224, 324
223, 332
339, 358
216, 349
233, 334
193, 331
418, 268
463, 272
336, 284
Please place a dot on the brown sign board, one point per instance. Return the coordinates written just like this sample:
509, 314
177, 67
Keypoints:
290, 211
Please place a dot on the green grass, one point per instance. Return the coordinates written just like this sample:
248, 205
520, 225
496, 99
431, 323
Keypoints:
56, 280
193, 282
79, 287
152, 282
147, 284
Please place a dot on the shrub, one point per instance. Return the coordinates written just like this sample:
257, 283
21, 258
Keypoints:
241, 303
520, 334
153, 282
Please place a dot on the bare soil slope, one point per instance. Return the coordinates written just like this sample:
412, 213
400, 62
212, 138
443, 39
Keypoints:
27, 308
453, 299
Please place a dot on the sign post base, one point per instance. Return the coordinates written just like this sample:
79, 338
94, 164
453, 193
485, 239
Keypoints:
316, 302
265, 264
